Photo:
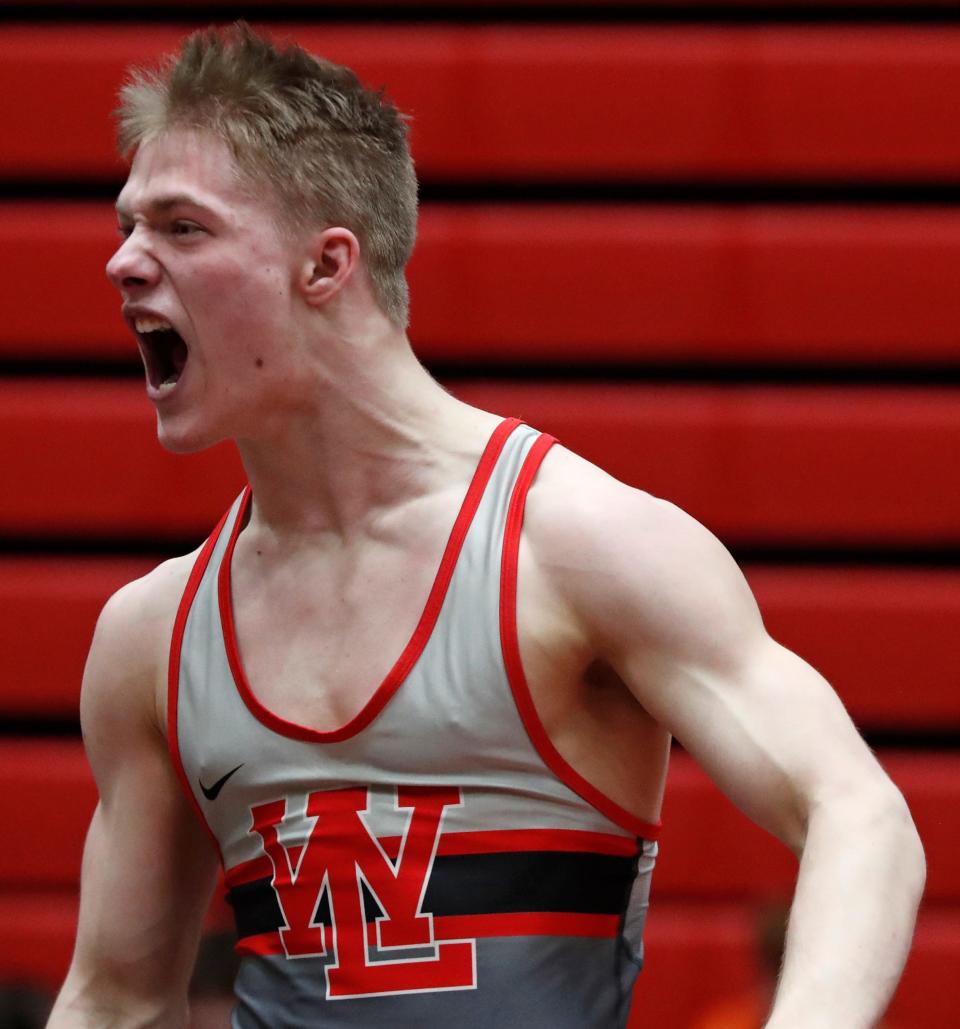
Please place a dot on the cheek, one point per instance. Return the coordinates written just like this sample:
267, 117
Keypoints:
248, 304
241, 301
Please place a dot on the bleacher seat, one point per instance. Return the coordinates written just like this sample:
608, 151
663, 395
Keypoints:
621, 219
500, 284
574, 102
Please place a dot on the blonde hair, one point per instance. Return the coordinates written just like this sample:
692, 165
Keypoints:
335, 152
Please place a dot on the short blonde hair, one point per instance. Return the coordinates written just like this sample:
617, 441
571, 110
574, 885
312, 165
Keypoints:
335, 152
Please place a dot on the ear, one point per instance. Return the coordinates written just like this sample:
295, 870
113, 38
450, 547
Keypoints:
332, 258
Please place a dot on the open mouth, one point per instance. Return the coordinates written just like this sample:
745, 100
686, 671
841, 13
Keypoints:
164, 354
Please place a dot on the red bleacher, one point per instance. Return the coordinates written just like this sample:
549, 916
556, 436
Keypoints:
560, 102
609, 289
762, 464
710, 850
883, 637
706, 947
501, 284
48, 607
715, 868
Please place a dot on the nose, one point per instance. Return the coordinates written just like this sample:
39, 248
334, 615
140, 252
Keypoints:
132, 265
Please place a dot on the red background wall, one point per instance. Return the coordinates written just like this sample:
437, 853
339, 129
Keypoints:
713, 247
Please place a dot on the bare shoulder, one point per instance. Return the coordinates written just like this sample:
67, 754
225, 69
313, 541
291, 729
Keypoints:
624, 558
146, 851
573, 497
126, 667
573, 500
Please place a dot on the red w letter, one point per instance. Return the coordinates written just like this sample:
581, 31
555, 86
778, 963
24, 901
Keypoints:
341, 855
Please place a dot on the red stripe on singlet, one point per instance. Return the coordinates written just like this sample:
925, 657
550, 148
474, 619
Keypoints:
173, 672
411, 653
511, 656
465, 927
492, 841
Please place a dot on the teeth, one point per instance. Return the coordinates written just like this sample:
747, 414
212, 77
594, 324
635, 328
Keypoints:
151, 324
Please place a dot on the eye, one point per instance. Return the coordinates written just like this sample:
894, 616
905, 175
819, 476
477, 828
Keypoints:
124, 231
185, 228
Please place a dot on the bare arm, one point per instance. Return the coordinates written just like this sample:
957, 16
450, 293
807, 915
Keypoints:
148, 867
667, 608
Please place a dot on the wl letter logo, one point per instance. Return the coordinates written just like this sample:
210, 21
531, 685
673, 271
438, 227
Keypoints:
338, 860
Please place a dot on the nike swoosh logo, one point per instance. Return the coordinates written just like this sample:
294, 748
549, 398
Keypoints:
212, 792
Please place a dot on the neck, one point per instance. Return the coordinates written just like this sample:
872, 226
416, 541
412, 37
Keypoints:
377, 431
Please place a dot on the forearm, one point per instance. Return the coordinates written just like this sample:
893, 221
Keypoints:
851, 923
118, 980
79, 1007
128, 972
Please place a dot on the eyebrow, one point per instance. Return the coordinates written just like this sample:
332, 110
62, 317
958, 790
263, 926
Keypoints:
162, 204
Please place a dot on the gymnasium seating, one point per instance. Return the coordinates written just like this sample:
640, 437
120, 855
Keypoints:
717, 256
880, 635
544, 102
774, 285
760, 464
714, 867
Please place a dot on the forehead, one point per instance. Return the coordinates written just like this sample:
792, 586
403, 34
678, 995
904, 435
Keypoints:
185, 165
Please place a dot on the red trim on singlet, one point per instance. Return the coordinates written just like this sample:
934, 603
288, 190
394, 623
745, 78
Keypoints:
511, 656
511, 841
487, 841
411, 653
502, 841
248, 872
522, 923
173, 672
261, 945
465, 927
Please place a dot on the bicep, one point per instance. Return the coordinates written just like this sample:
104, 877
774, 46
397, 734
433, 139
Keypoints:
670, 610
148, 865
766, 727
148, 871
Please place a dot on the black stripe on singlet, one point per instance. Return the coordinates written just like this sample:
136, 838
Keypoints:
478, 884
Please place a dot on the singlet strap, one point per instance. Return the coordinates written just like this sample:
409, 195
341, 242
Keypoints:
514, 666
421, 634
176, 648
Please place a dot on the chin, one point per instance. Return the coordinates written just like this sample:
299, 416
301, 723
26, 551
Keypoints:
182, 439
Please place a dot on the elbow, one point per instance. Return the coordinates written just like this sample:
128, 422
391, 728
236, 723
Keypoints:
911, 846
888, 824
874, 822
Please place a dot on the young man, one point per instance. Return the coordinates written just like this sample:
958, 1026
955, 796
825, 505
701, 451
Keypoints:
417, 690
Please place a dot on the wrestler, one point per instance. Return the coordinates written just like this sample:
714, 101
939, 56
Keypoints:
417, 690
